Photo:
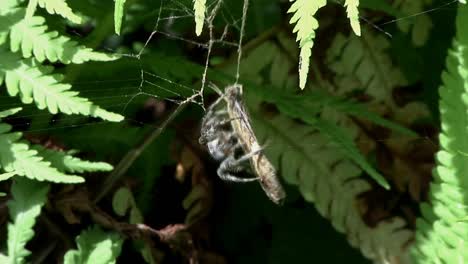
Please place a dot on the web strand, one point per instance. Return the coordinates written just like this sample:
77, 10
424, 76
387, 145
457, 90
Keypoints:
148, 84
242, 32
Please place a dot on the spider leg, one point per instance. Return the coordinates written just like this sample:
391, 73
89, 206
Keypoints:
230, 166
235, 165
214, 104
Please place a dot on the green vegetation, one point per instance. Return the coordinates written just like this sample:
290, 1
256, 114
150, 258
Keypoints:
99, 124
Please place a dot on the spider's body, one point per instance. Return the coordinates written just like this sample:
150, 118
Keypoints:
217, 135
226, 132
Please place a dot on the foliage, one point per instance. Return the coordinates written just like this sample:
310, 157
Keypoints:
420, 26
16, 157
367, 66
58, 7
306, 25
321, 170
28, 199
199, 6
34, 82
95, 246
353, 14
65, 162
440, 235
353, 146
304, 12
118, 15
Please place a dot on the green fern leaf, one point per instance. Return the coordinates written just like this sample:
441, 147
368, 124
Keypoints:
65, 162
418, 26
9, 15
7, 175
326, 177
95, 247
360, 110
118, 15
60, 7
296, 106
36, 83
16, 156
347, 145
353, 15
363, 63
199, 6
9, 112
28, 199
440, 236
31, 37
306, 24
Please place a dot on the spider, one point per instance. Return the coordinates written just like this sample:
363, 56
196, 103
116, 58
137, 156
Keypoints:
227, 131
223, 144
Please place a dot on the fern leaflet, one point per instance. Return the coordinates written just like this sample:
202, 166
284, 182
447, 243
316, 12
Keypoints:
65, 162
353, 15
60, 7
199, 7
28, 199
35, 82
30, 36
95, 247
306, 24
16, 156
9, 112
363, 63
349, 148
118, 15
440, 236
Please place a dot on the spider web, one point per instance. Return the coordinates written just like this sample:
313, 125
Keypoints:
149, 84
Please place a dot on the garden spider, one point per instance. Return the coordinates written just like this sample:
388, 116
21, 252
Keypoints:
226, 132
223, 144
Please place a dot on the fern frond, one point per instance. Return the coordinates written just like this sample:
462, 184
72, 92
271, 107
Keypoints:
329, 179
16, 156
31, 37
35, 82
60, 7
28, 199
95, 247
199, 6
440, 236
353, 15
306, 24
323, 174
346, 143
363, 63
65, 162
118, 15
